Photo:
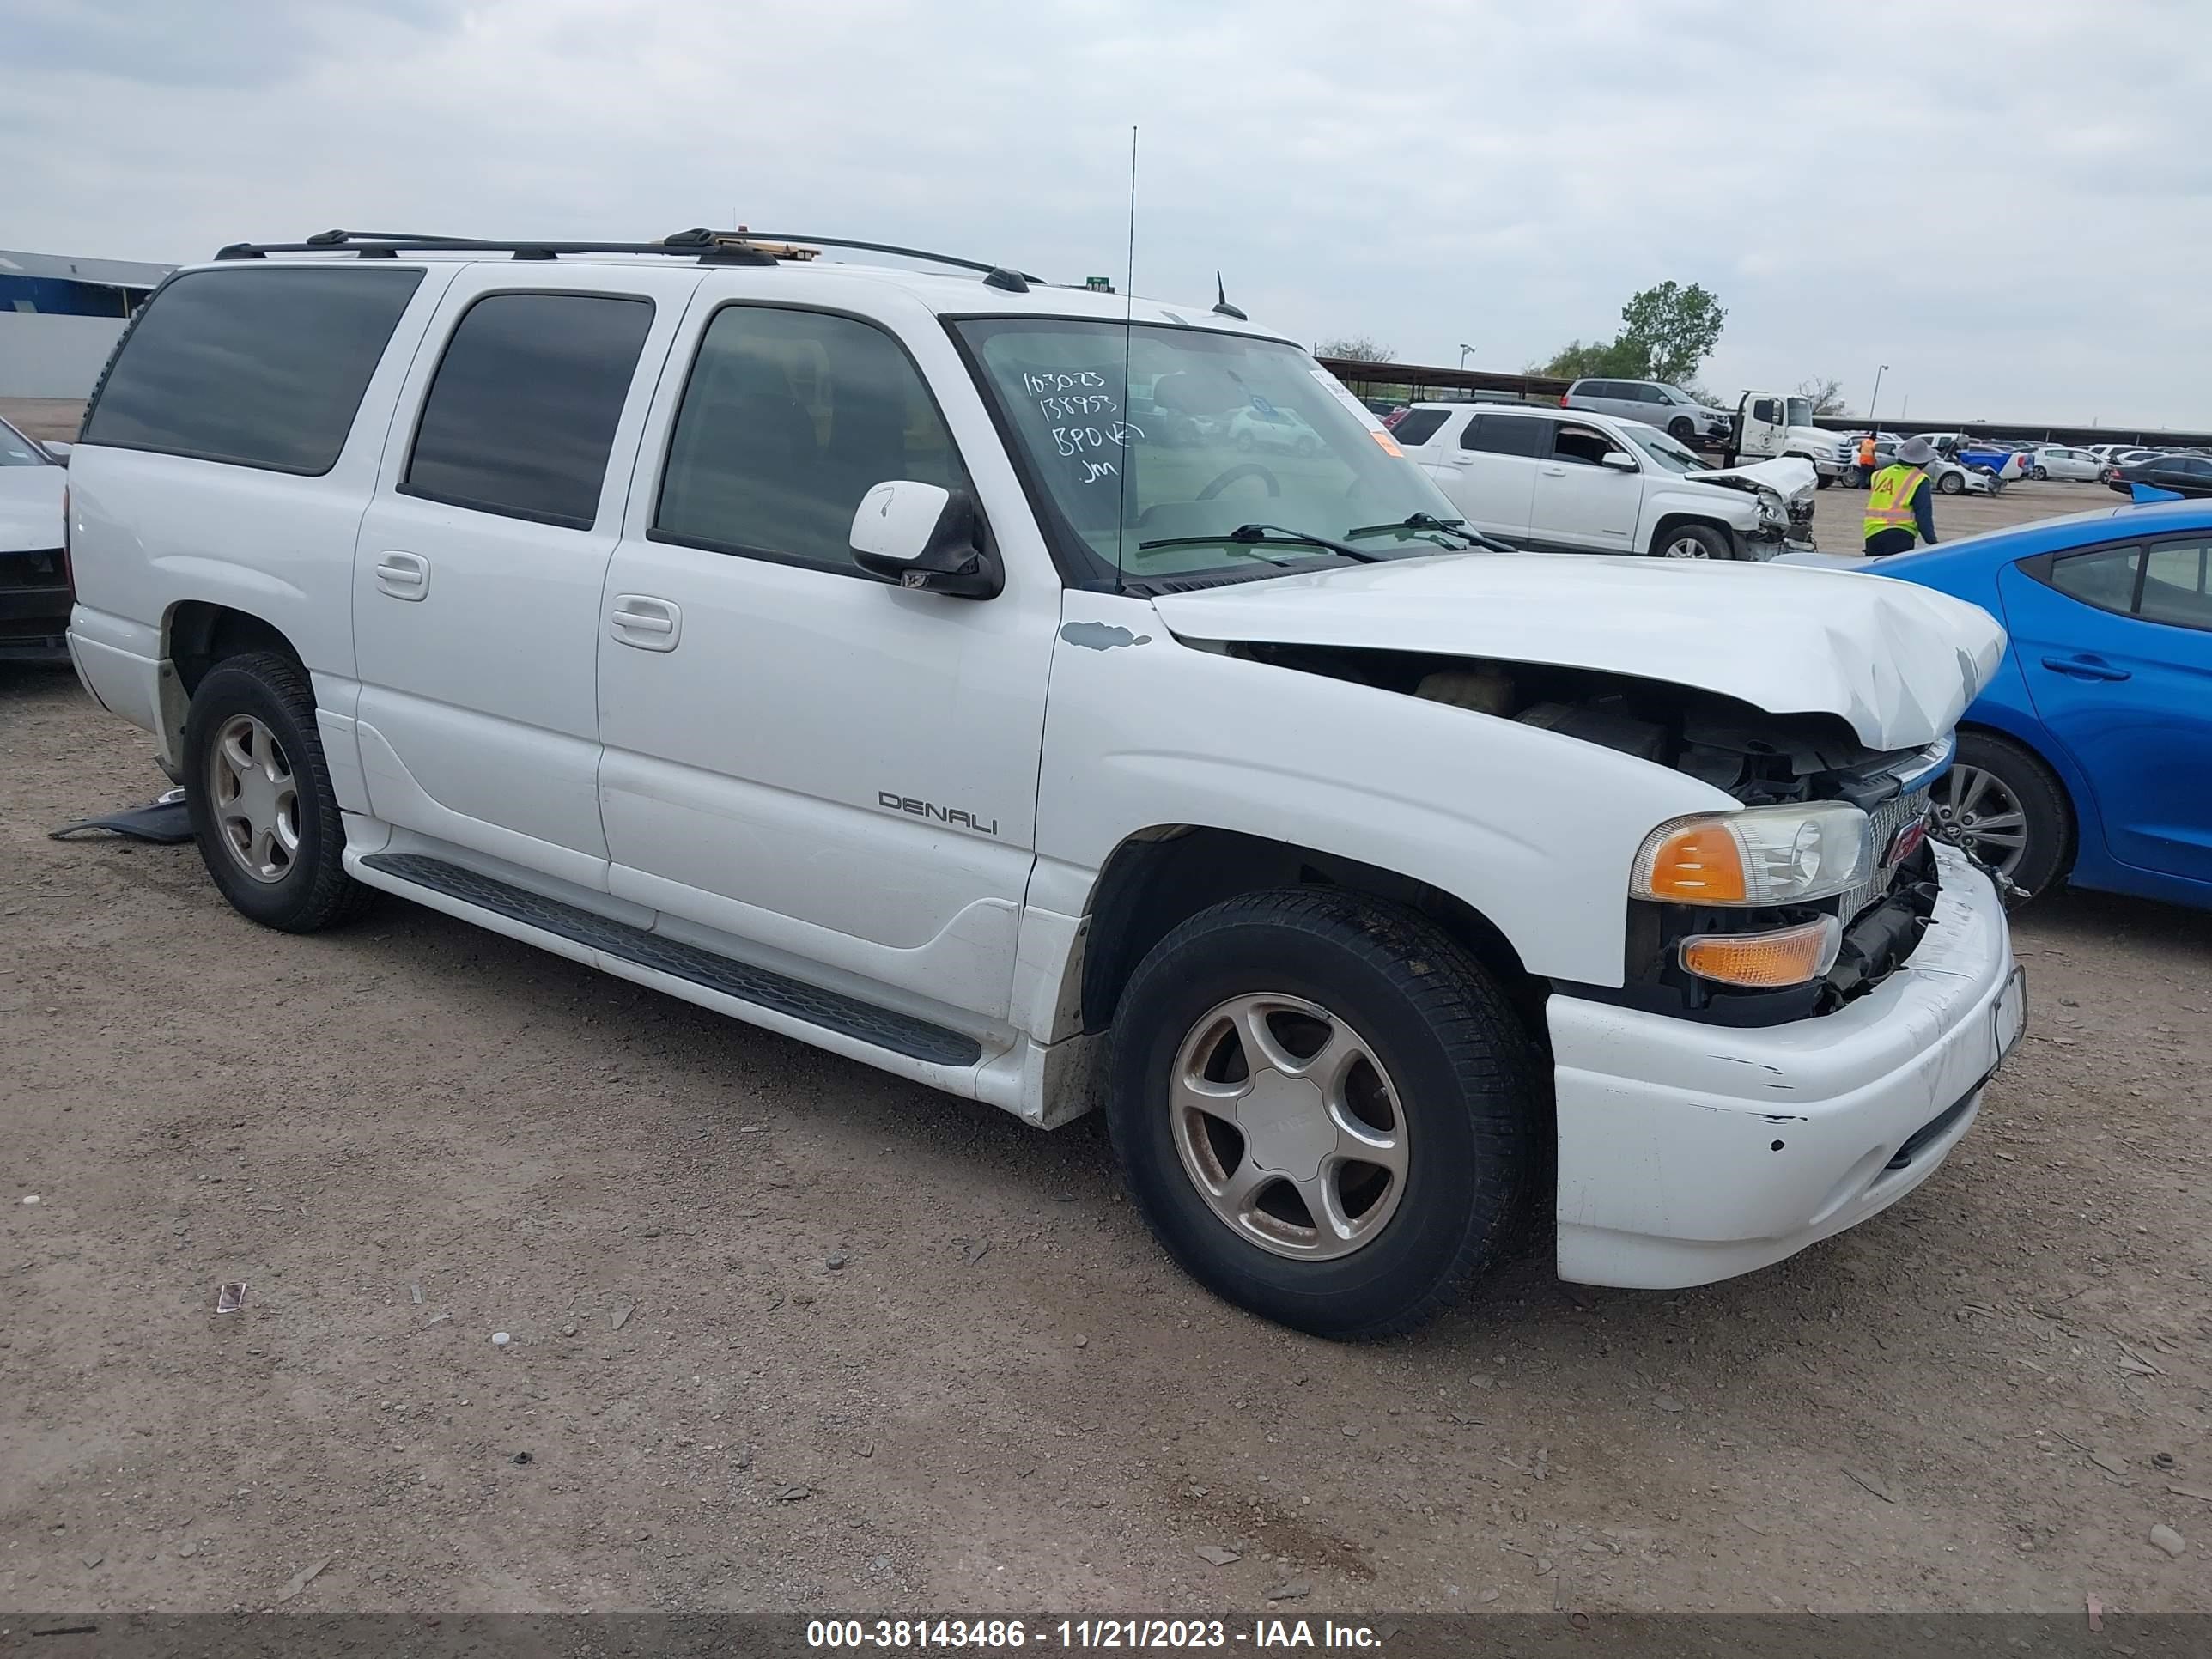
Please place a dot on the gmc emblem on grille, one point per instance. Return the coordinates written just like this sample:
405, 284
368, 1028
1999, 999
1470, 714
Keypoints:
1904, 843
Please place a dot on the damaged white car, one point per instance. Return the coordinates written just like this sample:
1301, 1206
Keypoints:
1573, 481
868, 670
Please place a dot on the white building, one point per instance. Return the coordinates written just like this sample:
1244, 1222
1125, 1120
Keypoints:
59, 318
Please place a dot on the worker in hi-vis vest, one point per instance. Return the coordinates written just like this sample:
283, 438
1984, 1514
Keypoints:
1901, 501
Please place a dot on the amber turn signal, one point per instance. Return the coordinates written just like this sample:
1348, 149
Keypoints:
1694, 863
1765, 962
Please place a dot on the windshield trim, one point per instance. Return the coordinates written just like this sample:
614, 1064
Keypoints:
1080, 566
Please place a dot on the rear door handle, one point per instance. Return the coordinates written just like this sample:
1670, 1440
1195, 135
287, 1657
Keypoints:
403, 576
2085, 668
649, 623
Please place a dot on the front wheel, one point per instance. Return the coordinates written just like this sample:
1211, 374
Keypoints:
1952, 483
1694, 541
258, 790
1681, 429
1325, 1110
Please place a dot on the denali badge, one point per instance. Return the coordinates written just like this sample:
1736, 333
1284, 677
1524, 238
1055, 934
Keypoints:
923, 809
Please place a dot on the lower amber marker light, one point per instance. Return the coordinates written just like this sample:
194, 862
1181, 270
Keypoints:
1765, 962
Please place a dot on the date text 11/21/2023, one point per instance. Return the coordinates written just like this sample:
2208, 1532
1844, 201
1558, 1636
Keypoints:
994, 1635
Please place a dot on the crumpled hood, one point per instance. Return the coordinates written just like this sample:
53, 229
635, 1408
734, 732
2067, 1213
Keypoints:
1898, 662
31, 507
1786, 476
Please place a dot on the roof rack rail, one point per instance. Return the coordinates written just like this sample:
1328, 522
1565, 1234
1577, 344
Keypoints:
715, 247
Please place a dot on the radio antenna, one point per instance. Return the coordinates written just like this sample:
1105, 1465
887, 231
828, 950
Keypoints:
1128, 333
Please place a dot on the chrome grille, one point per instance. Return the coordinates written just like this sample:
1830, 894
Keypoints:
1882, 825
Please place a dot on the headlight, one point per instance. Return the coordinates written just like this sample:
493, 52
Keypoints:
1769, 510
1763, 855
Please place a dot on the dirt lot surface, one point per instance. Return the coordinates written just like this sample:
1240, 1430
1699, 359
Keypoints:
788, 1335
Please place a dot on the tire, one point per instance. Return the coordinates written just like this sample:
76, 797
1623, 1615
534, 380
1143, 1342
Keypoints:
1683, 430
1462, 1083
1952, 483
261, 706
1991, 771
1821, 480
1710, 543
2041, 475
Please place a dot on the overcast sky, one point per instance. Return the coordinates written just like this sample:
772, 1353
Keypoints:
2009, 204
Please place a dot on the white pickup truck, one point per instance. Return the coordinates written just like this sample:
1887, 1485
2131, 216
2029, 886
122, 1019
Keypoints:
832, 647
1769, 425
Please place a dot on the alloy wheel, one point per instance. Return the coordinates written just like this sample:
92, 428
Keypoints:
1978, 814
1288, 1126
1686, 547
255, 801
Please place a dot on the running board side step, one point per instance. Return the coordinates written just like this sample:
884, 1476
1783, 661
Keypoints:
828, 1011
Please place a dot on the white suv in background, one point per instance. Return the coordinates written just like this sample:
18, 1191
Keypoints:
1572, 482
835, 648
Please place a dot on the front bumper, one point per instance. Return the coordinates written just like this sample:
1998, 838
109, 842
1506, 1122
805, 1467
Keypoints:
33, 624
1691, 1152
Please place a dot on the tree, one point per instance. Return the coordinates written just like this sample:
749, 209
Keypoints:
1615, 360
1677, 328
1356, 347
1827, 396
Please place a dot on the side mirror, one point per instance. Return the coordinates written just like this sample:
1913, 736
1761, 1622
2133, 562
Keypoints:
924, 537
57, 451
1619, 462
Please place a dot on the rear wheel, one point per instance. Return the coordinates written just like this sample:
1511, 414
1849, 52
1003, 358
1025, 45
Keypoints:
263, 811
1694, 541
2041, 475
2003, 808
1325, 1110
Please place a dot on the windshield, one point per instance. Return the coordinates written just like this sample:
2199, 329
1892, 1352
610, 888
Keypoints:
1209, 433
1663, 449
1676, 394
1800, 412
16, 450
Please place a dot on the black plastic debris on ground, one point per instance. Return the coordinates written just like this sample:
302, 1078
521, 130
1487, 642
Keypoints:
166, 821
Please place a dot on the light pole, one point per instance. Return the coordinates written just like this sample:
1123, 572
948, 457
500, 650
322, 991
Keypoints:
1463, 350
1880, 370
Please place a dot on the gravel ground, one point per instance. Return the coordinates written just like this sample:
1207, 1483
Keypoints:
791, 1335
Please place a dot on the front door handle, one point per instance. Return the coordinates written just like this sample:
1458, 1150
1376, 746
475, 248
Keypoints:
403, 576
2085, 668
649, 623
1555, 472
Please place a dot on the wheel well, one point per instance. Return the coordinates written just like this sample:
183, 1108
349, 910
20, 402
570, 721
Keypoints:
1674, 521
2073, 846
1156, 880
201, 634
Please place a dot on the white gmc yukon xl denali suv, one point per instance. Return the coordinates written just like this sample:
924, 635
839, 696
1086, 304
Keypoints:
919, 665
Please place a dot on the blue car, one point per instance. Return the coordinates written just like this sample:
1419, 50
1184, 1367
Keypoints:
2088, 759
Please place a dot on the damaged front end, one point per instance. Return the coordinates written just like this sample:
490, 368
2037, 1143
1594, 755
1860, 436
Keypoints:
1783, 489
1869, 927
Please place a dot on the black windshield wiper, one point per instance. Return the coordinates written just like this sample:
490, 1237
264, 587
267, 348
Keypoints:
1430, 521
1267, 535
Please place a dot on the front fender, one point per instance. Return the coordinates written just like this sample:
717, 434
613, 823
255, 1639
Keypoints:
1535, 830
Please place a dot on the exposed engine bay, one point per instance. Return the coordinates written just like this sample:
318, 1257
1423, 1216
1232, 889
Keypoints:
1759, 757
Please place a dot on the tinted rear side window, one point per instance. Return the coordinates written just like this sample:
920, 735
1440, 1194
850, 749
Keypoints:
263, 367
522, 412
1418, 426
1508, 435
